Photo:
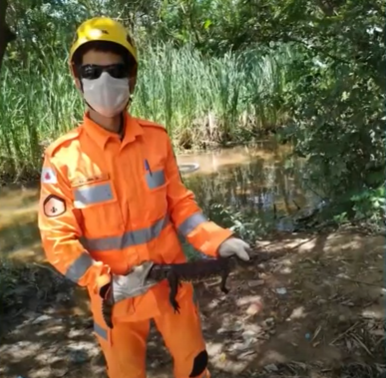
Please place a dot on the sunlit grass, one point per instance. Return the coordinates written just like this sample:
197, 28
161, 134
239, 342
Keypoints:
200, 100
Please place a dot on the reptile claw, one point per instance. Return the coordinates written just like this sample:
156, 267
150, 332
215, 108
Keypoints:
225, 290
176, 307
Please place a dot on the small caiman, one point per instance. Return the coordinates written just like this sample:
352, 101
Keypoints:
192, 271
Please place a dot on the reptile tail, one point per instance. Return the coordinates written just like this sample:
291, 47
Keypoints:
107, 311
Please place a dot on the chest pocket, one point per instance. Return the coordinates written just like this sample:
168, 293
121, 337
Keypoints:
100, 208
156, 183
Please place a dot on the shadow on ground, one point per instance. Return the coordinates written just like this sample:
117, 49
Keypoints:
308, 306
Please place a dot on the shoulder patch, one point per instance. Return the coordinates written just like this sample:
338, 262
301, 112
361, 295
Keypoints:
53, 206
48, 176
55, 145
145, 123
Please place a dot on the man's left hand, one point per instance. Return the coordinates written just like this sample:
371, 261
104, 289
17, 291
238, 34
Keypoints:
235, 247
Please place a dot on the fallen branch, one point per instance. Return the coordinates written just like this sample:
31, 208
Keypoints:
344, 333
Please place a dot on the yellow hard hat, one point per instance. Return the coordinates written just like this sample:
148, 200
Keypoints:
103, 29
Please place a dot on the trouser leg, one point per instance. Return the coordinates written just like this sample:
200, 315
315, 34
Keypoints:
124, 348
183, 337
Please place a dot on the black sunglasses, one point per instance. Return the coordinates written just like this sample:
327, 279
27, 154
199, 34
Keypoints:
94, 71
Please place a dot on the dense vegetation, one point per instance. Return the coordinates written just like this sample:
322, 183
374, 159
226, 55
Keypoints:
312, 72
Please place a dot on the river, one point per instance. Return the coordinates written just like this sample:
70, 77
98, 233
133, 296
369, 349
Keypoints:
262, 179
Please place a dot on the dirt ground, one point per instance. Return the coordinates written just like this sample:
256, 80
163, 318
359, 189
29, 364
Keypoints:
308, 306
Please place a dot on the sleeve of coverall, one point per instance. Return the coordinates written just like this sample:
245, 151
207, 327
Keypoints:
186, 215
60, 231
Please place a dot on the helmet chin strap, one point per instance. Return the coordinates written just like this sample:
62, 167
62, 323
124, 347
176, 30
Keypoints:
121, 129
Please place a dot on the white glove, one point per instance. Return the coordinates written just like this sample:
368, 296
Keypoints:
235, 247
132, 284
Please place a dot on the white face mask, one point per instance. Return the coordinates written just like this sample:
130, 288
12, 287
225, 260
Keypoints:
106, 95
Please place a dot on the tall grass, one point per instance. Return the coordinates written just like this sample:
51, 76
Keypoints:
200, 100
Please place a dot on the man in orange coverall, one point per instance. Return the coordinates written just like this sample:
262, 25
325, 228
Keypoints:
111, 205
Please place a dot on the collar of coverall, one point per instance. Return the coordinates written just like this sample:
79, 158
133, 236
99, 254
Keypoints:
100, 135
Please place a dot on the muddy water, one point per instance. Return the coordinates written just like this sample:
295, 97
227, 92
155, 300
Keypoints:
263, 179
242, 178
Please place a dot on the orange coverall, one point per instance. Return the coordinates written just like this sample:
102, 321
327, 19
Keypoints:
108, 204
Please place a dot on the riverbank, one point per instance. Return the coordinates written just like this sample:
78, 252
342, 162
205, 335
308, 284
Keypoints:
312, 305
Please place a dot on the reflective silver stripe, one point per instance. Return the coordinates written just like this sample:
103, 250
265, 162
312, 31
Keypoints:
189, 224
100, 331
155, 179
128, 239
93, 194
79, 267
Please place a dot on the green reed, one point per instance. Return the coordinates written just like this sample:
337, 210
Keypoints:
200, 100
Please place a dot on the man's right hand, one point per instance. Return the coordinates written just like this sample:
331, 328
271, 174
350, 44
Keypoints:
131, 285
